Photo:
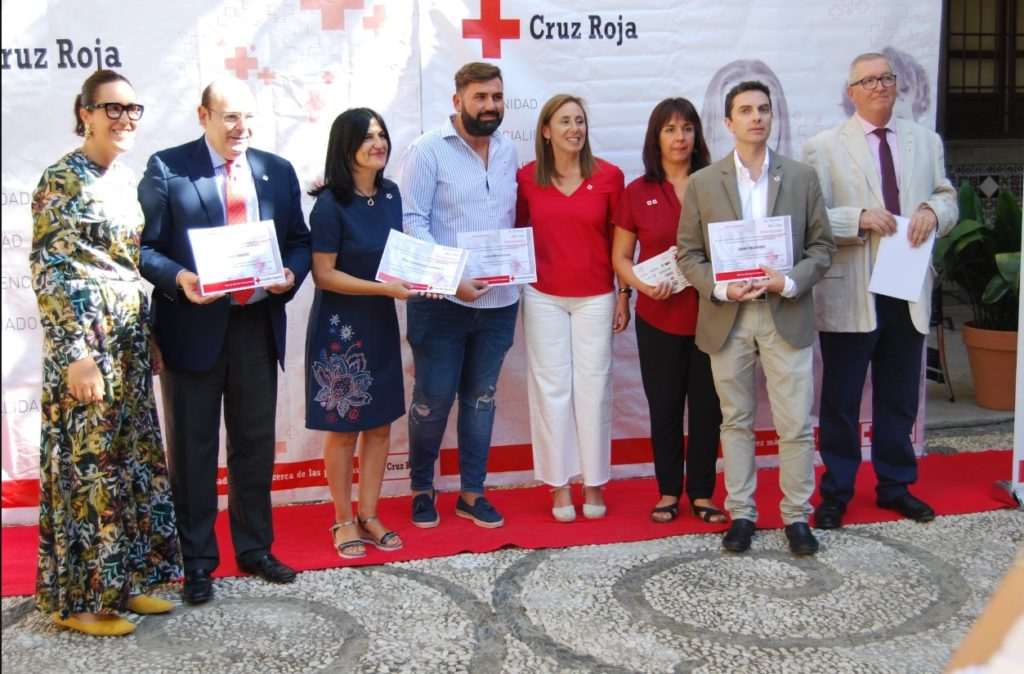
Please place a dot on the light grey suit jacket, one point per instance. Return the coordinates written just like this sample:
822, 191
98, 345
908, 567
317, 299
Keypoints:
851, 182
713, 196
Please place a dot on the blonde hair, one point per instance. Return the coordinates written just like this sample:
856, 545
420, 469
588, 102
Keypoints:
545, 166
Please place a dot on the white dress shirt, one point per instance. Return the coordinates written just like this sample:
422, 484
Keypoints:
754, 203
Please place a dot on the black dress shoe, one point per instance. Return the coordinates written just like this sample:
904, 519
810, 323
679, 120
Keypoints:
910, 506
268, 568
801, 540
198, 587
828, 515
737, 538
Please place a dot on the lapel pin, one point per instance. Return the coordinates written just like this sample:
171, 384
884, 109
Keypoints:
265, 178
388, 195
777, 178
590, 187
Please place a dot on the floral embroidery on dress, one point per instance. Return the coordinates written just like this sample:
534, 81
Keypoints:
342, 375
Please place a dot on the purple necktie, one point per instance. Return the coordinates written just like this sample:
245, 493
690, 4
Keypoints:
890, 190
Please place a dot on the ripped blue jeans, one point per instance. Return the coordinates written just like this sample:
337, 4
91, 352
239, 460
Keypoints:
455, 349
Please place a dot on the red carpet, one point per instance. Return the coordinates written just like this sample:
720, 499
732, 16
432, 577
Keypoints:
953, 485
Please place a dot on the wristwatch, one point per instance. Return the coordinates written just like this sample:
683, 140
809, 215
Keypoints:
625, 290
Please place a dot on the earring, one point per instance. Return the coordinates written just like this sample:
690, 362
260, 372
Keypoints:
88, 130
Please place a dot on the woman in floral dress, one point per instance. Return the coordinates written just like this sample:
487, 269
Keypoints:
353, 353
106, 521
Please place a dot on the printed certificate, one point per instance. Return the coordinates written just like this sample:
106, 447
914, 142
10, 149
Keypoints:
424, 266
236, 257
500, 256
739, 248
662, 267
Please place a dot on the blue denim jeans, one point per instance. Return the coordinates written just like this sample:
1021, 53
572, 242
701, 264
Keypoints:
455, 349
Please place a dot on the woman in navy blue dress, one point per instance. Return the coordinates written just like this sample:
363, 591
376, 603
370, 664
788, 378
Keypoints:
353, 354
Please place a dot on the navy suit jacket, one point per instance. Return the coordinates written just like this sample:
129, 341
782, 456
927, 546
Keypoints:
179, 191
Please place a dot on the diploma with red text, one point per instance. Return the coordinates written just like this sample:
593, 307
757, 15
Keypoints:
424, 266
739, 248
236, 257
500, 256
662, 267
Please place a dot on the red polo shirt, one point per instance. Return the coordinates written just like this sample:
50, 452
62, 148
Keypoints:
572, 235
651, 211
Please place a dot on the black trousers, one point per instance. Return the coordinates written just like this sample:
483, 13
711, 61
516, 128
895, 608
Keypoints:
673, 370
244, 379
893, 350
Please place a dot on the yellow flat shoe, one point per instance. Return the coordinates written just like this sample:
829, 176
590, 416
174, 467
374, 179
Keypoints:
145, 604
105, 625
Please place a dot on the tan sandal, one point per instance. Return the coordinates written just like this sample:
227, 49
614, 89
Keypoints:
389, 541
345, 548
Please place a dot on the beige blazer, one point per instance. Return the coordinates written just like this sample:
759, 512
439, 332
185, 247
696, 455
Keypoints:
851, 182
713, 196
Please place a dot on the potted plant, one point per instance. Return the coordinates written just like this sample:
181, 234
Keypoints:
982, 257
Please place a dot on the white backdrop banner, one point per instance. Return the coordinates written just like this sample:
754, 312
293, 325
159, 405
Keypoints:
308, 60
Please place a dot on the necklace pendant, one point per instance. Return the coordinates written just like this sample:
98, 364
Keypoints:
369, 201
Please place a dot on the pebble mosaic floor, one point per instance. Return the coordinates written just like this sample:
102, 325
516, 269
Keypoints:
884, 598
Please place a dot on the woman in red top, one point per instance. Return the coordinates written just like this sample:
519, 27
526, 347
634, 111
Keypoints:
569, 196
671, 365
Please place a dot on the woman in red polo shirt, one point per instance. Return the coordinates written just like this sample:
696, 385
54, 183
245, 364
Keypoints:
569, 196
671, 366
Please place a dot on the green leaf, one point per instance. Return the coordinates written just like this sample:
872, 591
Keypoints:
995, 290
1009, 268
967, 240
970, 205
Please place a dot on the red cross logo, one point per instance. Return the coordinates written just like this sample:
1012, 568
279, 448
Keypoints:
373, 22
332, 12
267, 75
490, 28
241, 63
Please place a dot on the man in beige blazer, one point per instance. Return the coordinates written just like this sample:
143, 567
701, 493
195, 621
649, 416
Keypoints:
873, 167
771, 318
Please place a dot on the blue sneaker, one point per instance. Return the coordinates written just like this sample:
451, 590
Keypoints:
481, 512
424, 512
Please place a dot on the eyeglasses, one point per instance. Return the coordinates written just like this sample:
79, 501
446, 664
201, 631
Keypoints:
235, 118
115, 110
871, 83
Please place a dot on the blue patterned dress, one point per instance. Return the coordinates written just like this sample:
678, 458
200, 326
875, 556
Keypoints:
353, 351
106, 520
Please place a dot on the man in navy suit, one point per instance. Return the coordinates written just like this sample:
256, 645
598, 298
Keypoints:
224, 348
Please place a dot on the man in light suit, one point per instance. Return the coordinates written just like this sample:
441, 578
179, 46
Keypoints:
770, 318
222, 348
873, 167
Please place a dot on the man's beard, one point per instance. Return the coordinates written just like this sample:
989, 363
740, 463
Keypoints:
474, 126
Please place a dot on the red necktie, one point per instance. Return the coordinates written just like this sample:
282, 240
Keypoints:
890, 189
237, 215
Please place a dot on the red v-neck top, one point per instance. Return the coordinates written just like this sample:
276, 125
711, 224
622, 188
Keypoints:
572, 235
651, 211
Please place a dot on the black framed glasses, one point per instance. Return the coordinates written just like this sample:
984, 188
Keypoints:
871, 83
115, 110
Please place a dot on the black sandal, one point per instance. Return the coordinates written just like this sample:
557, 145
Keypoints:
351, 549
389, 541
672, 510
705, 513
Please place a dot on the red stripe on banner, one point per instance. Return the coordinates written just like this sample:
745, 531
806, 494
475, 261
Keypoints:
739, 275
20, 493
1020, 471
502, 459
226, 286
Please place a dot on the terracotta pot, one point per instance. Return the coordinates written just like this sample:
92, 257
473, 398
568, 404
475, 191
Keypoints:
993, 356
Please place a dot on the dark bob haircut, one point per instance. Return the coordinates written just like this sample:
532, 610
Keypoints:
661, 115
347, 135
